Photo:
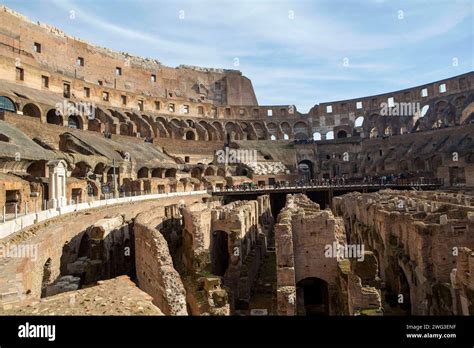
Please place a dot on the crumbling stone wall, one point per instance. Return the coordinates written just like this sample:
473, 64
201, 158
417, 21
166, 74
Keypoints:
416, 237
246, 230
156, 273
50, 238
301, 235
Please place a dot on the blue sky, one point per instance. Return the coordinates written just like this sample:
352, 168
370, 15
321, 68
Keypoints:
297, 52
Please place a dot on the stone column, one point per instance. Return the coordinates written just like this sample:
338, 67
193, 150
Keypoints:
57, 183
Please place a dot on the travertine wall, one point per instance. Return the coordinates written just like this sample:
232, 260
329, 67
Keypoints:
301, 234
416, 237
156, 274
49, 239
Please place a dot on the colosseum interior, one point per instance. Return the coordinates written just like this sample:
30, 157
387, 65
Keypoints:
128, 187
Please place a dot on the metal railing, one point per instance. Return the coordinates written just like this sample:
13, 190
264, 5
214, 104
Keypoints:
11, 211
412, 183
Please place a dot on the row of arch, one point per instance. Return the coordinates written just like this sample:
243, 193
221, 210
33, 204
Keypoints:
438, 114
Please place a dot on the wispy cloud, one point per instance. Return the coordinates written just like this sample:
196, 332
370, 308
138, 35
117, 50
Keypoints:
292, 50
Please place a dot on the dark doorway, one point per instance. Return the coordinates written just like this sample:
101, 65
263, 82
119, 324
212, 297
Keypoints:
220, 253
312, 297
305, 169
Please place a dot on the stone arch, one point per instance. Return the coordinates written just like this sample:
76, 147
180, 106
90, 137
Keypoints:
162, 130
37, 169
81, 169
7, 104
220, 129
341, 134
317, 136
170, 173
190, 135
54, 117
306, 169
196, 172
94, 125
272, 130
301, 130
157, 173
286, 130
231, 130
32, 110
126, 128
359, 121
209, 171
75, 122
143, 173
312, 297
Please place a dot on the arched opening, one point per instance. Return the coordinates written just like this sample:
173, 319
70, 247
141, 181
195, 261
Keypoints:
4, 138
316, 136
37, 169
330, 135
170, 173
359, 121
143, 173
93, 125
126, 129
80, 170
209, 171
424, 110
312, 297
272, 137
190, 135
300, 129
99, 169
388, 131
341, 134
157, 173
305, 169
47, 273
54, 117
399, 295
32, 110
196, 172
286, 137
74, 122
7, 104
219, 253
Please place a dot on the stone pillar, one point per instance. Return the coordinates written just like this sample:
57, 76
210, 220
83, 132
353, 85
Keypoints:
57, 183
